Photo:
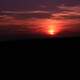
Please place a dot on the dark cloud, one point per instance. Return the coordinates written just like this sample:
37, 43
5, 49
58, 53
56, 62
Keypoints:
71, 17
27, 14
35, 4
45, 16
71, 2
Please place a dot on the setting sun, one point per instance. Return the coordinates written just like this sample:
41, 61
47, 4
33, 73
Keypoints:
51, 31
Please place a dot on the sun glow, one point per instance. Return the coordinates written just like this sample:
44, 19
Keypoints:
51, 29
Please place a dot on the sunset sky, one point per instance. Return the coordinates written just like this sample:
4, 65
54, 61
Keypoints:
40, 16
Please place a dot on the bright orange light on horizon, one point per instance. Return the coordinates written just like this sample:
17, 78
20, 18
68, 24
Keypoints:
51, 31
46, 27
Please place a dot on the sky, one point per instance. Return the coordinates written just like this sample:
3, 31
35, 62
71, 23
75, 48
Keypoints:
40, 15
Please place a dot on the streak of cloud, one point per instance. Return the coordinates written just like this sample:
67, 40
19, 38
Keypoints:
24, 12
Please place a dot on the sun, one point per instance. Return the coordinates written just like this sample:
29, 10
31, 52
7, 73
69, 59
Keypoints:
51, 31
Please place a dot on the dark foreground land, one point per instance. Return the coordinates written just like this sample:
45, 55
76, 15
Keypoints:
41, 43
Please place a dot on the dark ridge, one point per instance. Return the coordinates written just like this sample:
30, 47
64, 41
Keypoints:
41, 43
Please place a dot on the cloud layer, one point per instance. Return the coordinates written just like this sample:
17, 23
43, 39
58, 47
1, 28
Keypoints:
40, 13
63, 13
